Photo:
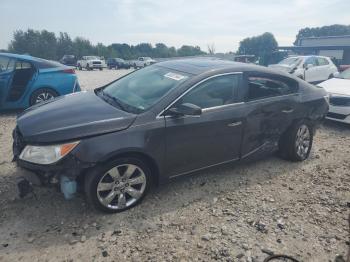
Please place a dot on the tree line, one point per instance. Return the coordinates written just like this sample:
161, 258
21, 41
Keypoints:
48, 45
329, 30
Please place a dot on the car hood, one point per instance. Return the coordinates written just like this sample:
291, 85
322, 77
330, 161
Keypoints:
337, 86
71, 117
284, 68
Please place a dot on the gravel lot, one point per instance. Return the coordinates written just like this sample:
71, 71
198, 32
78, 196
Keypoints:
228, 213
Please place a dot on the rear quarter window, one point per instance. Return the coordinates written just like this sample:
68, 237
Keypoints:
262, 86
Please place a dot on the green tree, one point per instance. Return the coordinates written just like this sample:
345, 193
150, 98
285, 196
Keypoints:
261, 46
65, 45
82, 47
330, 30
46, 45
37, 43
187, 50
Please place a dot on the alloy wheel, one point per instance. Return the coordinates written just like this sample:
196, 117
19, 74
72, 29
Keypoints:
121, 186
43, 97
303, 140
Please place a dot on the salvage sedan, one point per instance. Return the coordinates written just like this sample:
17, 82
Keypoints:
164, 121
339, 97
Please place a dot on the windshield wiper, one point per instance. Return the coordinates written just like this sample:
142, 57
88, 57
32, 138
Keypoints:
113, 99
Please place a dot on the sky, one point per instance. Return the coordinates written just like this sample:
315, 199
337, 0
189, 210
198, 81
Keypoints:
174, 22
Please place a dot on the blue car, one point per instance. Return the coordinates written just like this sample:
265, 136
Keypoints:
27, 80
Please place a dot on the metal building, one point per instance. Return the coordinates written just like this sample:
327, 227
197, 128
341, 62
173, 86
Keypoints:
332, 46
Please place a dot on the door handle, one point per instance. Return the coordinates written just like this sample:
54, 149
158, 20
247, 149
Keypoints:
235, 124
288, 110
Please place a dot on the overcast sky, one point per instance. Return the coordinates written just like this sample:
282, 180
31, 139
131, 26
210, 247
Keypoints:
173, 22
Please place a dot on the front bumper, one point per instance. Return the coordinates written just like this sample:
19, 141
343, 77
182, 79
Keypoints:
69, 166
97, 66
339, 114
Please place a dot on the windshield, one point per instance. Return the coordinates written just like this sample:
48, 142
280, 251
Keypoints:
92, 58
290, 61
345, 74
143, 88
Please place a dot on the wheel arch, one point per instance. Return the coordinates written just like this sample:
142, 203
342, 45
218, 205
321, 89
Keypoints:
37, 88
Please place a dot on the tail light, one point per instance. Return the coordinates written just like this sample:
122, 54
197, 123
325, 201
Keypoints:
69, 71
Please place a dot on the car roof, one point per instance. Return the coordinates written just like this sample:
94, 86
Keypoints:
196, 66
11, 55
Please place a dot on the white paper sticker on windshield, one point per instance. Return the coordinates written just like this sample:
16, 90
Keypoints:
174, 76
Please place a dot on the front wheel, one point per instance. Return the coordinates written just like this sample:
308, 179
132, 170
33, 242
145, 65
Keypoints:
42, 95
296, 143
119, 185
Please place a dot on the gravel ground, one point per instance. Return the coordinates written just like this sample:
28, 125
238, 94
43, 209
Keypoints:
228, 213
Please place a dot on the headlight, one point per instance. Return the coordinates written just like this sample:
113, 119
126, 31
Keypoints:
46, 154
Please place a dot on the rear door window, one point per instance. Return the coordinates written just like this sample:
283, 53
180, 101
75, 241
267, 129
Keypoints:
312, 60
322, 61
260, 87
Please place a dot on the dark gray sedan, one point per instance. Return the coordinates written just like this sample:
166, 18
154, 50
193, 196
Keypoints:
164, 121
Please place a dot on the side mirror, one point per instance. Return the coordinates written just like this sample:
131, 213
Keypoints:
185, 109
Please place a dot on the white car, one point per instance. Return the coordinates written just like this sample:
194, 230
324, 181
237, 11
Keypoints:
338, 89
310, 68
142, 62
90, 63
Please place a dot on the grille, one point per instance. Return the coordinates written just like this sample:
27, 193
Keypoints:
96, 63
18, 143
339, 101
336, 116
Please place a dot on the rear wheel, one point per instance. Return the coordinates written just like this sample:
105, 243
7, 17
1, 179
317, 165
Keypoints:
101, 68
296, 143
119, 185
42, 95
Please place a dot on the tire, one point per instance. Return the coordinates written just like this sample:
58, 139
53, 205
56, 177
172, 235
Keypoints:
101, 69
79, 67
330, 76
42, 95
113, 189
295, 145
